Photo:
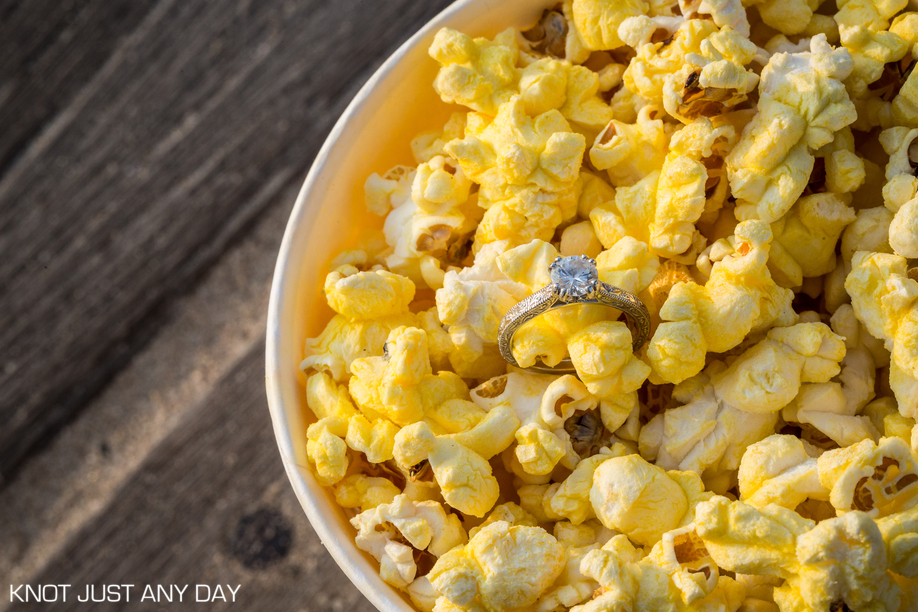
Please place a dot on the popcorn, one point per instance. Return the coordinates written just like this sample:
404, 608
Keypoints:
629, 152
842, 563
641, 500
802, 104
676, 575
501, 567
528, 166
739, 297
472, 302
477, 73
749, 209
778, 470
863, 28
365, 492
598, 21
805, 238
394, 532
884, 297
683, 190
728, 408
400, 384
878, 479
367, 295
465, 477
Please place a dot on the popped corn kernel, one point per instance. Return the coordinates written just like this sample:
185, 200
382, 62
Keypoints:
465, 477
598, 21
395, 531
863, 27
367, 295
629, 152
739, 297
802, 104
877, 479
365, 492
502, 567
477, 73
401, 384
778, 470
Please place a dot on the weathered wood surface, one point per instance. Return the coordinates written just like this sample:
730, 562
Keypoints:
150, 151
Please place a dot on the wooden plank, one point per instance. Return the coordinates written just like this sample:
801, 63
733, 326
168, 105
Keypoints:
48, 51
210, 505
164, 158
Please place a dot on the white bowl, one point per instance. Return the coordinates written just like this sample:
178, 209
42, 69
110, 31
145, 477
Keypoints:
373, 134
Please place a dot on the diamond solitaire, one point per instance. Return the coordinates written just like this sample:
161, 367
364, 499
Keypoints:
574, 277
574, 280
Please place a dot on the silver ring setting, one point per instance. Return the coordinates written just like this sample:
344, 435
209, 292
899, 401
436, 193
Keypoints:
574, 280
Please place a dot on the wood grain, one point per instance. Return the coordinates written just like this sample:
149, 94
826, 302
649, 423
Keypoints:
210, 505
167, 142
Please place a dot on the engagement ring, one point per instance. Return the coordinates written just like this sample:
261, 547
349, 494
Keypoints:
574, 280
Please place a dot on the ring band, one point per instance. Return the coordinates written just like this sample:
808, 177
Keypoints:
575, 280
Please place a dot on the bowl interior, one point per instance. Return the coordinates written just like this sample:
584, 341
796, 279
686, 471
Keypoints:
373, 134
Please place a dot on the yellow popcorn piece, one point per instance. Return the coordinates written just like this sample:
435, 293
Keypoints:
580, 239
510, 513
884, 300
802, 105
491, 435
778, 470
900, 534
641, 500
899, 193
697, 72
629, 152
502, 567
722, 12
677, 575
570, 499
739, 297
472, 302
727, 408
431, 143
877, 479
628, 264
549, 84
367, 295
430, 226
545, 441
476, 73
342, 341
805, 238
868, 232
863, 28
683, 191
326, 451
465, 478
602, 355
365, 492
571, 587
598, 21
787, 16
529, 166
400, 384
394, 532
748, 540
842, 563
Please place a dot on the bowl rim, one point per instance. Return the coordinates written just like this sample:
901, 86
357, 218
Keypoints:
385, 599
